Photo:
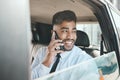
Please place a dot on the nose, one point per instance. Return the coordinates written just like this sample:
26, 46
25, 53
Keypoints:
70, 35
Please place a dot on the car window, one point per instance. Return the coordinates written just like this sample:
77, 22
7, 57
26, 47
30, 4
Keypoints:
93, 31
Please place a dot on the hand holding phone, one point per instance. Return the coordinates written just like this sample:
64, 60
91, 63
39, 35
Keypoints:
53, 49
56, 37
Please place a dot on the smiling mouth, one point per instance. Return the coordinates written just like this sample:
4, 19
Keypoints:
69, 42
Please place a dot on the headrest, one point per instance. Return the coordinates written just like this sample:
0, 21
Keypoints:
41, 33
82, 39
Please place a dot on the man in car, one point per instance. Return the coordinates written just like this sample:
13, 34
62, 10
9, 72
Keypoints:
62, 43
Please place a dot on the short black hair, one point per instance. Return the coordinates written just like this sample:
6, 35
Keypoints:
65, 15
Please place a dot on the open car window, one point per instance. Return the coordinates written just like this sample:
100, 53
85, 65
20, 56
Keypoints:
93, 31
107, 67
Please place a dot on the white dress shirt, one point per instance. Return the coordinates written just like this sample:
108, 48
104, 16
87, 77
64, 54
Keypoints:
68, 58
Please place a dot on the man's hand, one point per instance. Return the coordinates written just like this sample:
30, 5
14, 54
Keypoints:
52, 50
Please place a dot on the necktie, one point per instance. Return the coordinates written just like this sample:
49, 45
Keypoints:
56, 63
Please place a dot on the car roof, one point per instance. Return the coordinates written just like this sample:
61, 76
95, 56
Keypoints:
43, 10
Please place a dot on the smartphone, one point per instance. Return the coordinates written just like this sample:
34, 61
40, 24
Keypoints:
56, 37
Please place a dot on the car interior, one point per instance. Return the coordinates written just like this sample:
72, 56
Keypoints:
41, 17
26, 26
92, 33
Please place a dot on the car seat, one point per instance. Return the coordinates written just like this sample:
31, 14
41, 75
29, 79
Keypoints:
84, 43
41, 36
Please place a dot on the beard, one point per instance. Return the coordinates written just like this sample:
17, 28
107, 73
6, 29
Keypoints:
68, 44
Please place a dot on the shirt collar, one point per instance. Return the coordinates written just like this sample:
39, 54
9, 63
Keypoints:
66, 53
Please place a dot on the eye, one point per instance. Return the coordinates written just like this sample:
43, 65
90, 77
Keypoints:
74, 31
64, 30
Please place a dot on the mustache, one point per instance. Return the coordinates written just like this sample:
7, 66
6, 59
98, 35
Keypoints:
68, 40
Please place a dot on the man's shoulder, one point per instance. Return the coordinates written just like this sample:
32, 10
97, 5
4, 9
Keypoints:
42, 48
77, 49
41, 51
80, 52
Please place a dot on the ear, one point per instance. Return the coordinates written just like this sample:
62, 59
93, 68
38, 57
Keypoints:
55, 27
53, 35
52, 31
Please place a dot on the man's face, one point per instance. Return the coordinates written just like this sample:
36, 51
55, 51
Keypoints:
67, 32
